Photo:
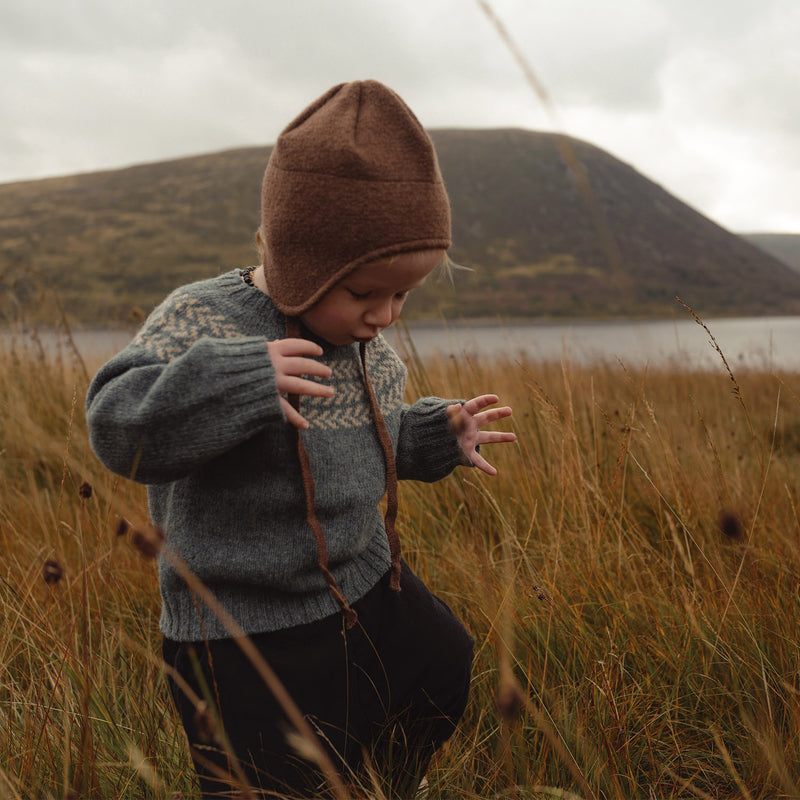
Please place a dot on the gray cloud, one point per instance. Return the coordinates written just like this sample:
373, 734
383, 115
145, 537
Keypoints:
700, 96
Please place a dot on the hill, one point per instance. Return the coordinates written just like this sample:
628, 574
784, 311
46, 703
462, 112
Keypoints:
784, 246
543, 239
519, 211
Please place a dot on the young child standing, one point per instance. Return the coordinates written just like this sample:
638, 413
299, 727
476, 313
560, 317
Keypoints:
265, 413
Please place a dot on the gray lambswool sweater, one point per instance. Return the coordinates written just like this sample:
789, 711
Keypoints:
190, 407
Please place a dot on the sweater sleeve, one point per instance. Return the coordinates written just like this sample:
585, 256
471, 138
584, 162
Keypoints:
427, 448
156, 421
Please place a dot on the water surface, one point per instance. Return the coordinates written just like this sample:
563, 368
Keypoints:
760, 342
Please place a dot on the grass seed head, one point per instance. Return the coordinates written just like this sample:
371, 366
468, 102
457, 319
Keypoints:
136, 315
730, 525
149, 541
52, 572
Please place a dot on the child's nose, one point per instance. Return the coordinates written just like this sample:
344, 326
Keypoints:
380, 314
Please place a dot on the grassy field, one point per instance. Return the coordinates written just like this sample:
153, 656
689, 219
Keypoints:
632, 578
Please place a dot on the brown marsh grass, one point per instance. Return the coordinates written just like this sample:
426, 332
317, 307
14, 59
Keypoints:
632, 578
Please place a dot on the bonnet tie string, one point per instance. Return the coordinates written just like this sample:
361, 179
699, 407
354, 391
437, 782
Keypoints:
391, 474
350, 615
293, 331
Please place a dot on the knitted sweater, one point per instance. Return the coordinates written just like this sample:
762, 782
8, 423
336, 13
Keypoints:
190, 407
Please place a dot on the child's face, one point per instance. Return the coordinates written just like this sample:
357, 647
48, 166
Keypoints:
370, 298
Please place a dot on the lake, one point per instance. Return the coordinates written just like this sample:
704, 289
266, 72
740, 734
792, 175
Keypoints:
758, 342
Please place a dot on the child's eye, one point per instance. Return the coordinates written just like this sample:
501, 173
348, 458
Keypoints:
401, 295
358, 295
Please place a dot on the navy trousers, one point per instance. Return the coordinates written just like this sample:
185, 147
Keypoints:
388, 693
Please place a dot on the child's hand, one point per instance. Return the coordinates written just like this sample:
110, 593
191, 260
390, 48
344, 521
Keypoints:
467, 420
288, 361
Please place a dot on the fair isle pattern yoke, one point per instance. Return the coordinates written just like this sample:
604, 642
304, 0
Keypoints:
349, 405
174, 326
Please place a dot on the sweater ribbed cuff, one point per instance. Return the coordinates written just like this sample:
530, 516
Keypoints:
435, 451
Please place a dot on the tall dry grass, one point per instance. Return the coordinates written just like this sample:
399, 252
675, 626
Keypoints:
82, 696
631, 578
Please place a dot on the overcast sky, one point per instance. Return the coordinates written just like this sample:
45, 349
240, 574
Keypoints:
702, 96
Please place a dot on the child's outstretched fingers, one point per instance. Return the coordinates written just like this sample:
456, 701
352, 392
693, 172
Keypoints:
467, 421
290, 361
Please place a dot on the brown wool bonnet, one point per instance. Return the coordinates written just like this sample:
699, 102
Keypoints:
351, 179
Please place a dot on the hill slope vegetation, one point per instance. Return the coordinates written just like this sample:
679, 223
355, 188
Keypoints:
549, 226
784, 246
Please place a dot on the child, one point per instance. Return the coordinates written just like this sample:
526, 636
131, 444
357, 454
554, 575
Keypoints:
265, 413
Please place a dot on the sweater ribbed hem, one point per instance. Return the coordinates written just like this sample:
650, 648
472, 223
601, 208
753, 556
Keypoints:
259, 610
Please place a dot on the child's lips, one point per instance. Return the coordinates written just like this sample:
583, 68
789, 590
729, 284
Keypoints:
369, 337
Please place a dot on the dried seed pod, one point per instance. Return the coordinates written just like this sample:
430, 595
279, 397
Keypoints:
540, 594
149, 541
85, 490
730, 525
52, 571
136, 315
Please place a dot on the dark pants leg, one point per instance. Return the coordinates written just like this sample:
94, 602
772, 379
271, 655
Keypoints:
393, 687
426, 657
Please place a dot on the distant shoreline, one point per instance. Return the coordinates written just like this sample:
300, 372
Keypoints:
426, 323
747, 342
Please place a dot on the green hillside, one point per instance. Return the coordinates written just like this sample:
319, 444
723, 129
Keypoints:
542, 239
